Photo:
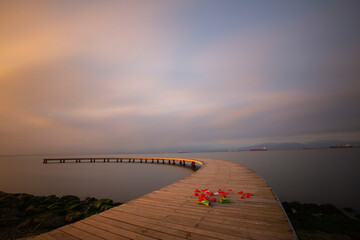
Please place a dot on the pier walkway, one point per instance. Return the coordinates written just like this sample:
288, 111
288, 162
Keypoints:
172, 212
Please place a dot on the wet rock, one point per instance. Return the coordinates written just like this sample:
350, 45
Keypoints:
73, 216
50, 222
2, 194
319, 235
8, 221
24, 214
34, 210
25, 223
70, 198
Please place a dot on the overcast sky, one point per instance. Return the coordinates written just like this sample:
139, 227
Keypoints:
130, 76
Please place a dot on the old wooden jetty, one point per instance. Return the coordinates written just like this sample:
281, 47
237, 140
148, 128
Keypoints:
172, 212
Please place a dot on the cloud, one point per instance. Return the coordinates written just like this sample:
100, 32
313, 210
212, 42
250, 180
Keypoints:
129, 75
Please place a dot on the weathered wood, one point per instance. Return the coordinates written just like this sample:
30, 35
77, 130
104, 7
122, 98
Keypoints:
172, 212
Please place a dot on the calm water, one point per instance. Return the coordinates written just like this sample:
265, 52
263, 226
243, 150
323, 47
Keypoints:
319, 176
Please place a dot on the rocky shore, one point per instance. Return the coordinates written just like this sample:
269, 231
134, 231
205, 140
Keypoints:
323, 222
23, 215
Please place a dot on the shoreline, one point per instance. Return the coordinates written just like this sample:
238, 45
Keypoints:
24, 215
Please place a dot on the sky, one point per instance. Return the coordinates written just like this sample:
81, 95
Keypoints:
143, 76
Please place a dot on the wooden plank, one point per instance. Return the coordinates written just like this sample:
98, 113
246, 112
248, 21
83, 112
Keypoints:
96, 222
82, 225
57, 234
78, 233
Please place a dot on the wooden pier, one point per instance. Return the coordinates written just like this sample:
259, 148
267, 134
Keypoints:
172, 212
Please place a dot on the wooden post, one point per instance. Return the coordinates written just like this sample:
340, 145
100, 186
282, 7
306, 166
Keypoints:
141, 160
146, 160
152, 160
184, 163
173, 161
157, 160
163, 161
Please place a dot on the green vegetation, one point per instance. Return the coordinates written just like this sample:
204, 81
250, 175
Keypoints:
23, 215
322, 222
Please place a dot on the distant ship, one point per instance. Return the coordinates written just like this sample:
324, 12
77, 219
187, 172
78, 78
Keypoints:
258, 149
181, 151
342, 146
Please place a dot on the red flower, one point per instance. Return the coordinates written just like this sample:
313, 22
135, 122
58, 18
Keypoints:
240, 192
213, 199
196, 194
200, 199
197, 190
211, 193
202, 195
229, 190
207, 198
242, 197
219, 190
249, 194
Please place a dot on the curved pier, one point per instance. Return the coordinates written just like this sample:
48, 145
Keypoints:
172, 212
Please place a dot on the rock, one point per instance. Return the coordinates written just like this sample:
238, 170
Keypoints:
329, 209
34, 210
349, 210
74, 206
50, 222
2, 194
89, 200
70, 198
50, 200
25, 223
73, 216
9, 221
8, 200
55, 205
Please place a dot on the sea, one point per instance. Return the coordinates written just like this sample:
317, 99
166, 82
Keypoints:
309, 175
